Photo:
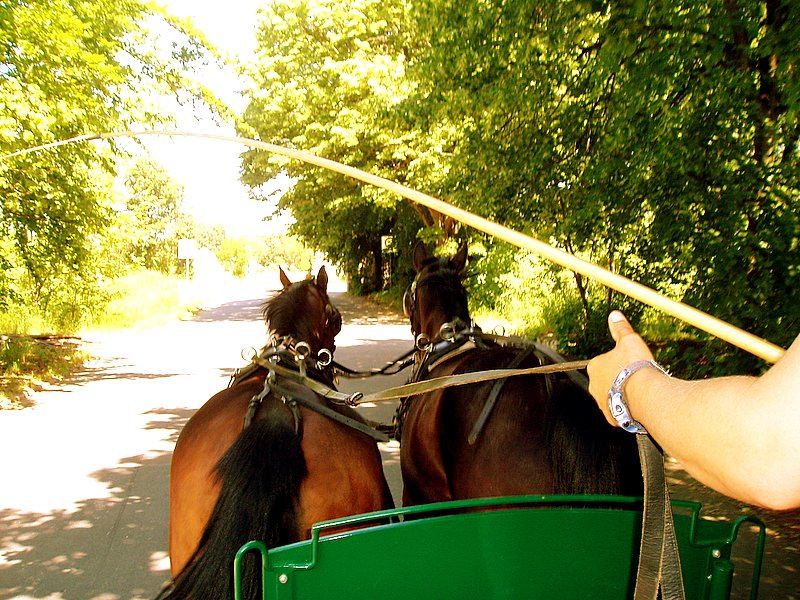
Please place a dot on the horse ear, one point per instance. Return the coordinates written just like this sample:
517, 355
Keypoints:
322, 279
459, 261
284, 279
420, 256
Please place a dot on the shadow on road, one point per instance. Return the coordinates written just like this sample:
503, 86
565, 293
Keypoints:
89, 374
354, 313
240, 310
55, 554
780, 574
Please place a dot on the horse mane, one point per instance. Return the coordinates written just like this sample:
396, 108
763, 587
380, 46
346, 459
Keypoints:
439, 274
587, 455
288, 312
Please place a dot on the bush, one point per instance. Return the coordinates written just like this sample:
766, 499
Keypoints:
144, 298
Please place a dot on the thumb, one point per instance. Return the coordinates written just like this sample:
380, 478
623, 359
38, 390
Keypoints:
618, 325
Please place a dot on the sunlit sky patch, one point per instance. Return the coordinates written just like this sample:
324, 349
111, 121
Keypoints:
209, 170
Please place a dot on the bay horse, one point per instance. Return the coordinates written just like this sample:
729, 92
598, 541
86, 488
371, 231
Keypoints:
541, 434
272, 479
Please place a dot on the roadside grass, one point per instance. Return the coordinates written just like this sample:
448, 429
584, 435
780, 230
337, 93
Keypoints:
33, 350
391, 298
145, 299
26, 362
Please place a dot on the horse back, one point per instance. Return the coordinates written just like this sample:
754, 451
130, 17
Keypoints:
345, 470
541, 437
271, 481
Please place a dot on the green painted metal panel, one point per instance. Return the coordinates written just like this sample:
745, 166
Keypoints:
520, 547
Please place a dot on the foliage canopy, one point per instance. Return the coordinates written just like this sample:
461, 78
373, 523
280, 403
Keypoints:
69, 68
657, 139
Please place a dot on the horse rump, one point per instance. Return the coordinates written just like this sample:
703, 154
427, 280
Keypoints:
260, 477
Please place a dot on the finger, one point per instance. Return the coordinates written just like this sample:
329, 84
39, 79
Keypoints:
618, 325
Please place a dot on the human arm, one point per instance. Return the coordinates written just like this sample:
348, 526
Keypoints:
739, 435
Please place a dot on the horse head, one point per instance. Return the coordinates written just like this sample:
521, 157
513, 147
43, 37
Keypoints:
437, 294
303, 311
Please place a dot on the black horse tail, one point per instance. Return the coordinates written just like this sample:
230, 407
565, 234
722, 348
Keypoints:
587, 455
260, 476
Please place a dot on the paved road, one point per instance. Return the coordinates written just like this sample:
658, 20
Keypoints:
84, 472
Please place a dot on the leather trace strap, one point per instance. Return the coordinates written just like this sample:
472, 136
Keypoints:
301, 394
252, 406
659, 560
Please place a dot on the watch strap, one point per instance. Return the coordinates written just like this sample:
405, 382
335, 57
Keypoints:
616, 395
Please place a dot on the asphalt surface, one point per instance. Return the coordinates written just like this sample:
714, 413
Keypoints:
84, 471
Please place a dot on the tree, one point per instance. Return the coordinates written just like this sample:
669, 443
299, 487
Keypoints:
69, 68
327, 69
153, 206
660, 140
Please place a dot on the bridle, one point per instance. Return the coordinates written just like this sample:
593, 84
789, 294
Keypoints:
422, 341
331, 325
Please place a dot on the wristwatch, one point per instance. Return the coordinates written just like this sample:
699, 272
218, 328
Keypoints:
616, 395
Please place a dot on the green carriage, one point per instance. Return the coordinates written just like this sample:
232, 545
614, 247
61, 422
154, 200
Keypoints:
514, 547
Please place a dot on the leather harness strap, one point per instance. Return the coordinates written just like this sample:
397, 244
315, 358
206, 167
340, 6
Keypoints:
491, 399
301, 394
314, 385
298, 388
437, 383
659, 561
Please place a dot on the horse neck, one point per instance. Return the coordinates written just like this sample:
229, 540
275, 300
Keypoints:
301, 334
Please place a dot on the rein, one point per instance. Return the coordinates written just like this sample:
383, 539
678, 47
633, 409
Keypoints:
267, 360
438, 383
400, 363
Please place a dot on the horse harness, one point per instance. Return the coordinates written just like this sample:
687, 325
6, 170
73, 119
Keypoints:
456, 338
298, 378
659, 563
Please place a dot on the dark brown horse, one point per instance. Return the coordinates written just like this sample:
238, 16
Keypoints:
271, 480
544, 434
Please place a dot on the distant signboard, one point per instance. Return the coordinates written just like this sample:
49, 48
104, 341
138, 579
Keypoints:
187, 248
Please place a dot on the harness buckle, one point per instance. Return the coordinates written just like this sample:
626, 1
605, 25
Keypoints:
422, 342
448, 331
353, 399
328, 357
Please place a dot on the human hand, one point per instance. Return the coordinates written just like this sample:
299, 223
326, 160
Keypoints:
604, 368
